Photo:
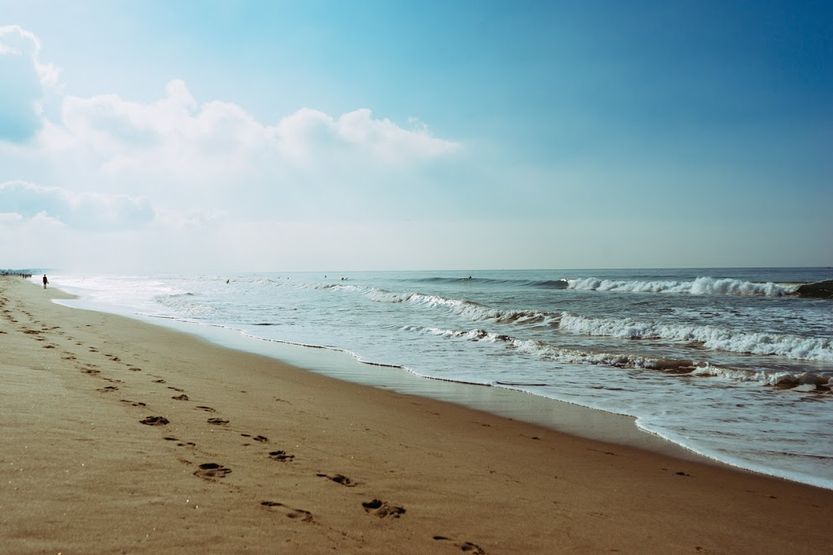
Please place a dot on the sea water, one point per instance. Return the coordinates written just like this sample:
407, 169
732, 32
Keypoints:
729, 363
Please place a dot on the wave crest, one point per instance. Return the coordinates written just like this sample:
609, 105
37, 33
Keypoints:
467, 309
700, 286
710, 337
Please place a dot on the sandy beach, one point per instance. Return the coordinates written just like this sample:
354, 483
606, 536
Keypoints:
124, 437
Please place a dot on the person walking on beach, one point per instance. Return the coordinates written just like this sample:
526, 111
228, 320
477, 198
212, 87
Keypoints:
45, 281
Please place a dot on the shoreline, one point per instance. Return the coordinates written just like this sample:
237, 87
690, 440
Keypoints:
304, 452
556, 414
561, 416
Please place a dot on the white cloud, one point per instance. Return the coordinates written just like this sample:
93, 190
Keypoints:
179, 139
17, 41
177, 136
307, 133
20, 200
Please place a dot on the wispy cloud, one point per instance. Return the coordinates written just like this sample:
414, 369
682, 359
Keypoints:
17, 41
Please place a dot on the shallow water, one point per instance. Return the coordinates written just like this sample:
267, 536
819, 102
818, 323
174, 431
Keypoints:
700, 357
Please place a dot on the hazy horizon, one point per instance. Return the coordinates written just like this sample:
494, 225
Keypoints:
296, 136
335, 273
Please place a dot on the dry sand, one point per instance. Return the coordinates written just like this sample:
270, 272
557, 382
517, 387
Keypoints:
253, 455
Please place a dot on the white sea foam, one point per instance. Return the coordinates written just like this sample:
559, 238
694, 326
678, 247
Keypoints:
546, 351
116, 290
467, 309
186, 305
710, 337
699, 286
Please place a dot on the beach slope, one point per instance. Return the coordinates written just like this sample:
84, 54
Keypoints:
120, 436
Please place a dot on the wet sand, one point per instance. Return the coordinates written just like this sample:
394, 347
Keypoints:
120, 436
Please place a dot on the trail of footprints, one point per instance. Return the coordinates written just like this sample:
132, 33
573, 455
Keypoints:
212, 471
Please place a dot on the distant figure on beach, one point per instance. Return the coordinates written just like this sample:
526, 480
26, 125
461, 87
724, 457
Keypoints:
45, 281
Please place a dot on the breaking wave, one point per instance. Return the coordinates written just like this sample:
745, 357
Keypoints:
699, 286
710, 337
703, 285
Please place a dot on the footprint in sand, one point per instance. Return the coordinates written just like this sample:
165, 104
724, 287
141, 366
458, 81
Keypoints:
468, 547
134, 369
160, 380
339, 479
281, 456
212, 471
299, 514
175, 388
261, 439
107, 389
182, 397
382, 509
155, 421
217, 421
181, 443
206, 409
133, 403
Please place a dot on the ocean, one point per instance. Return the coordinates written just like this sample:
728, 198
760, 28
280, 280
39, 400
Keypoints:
728, 363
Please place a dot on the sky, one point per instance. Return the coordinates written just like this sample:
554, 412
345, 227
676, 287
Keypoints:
154, 136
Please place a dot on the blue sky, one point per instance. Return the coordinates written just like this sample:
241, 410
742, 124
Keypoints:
375, 135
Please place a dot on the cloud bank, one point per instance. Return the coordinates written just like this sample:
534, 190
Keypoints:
108, 181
